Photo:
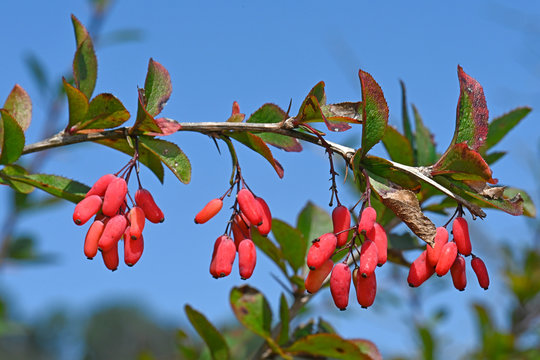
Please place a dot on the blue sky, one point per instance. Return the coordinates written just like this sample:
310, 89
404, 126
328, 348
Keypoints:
256, 52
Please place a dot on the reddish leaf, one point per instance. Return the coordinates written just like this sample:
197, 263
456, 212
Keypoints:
145, 122
157, 88
19, 105
167, 126
257, 144
104, 112
374, 112
462, 163
235, 108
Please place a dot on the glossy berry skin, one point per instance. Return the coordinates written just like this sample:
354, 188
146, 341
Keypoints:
378, 236
368, 258
266, 226
144, 199
420, 270
110, 258
341, 219
315, 278
460, 230
101, 185
92, 238
433, 253
366, 290
250, 207
86, 208
459, 276
136, 220
240, 230
114, 197
209, 211
367, 220
447, 258
223, 259
113, 232
481, 272
340, 284
321, 250
133, 248
247, 258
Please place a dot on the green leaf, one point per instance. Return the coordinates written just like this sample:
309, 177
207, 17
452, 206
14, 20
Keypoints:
284, 319
407, 130
313, 222
499, 127
269, 248
292, 243
327, 345
5, 177
144, 122
368, 348
374, 112
80, 31
271, 113
104, 112
397, 145
77, 103
426, 153
492, 157
55, 185
383, 168
211, 336
171, 155
256, 144
462, 163
252, 310
157, 88
11, 138
19, 105
22, 248
85, 67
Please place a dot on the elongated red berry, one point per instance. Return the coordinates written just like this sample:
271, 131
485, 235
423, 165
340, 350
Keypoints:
420, 270
209, 211
100, 186
247, 258
266, 226
212, 263
92, 238
340, 285
321, 250
86, 208
110, 258
250, 207
447, 258
240, 230
369, 257
367, 220
441, 239
133, 247
460, 230
113, 232
223, 259
366, 290
378, 236
136, 220
341, 219
144, 199
481, 272
459, 276
315, 278
114, 197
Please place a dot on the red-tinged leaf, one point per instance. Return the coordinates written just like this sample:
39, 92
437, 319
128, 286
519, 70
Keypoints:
171, 155
12, 138
383, 168
80, 31
501, 125
236, 116
271, 113
374, 112
257, 144
426, 153
462, 163
328, 345
167, 126
368, 348
528, 206
104, 112
145, 122
157, 88
235, 108
19, 105
472, 113
85, 68
77, 103
398, 146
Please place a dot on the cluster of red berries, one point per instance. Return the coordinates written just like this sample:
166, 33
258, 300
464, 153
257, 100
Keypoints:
114, 220
249, 212
372, 253
447, 256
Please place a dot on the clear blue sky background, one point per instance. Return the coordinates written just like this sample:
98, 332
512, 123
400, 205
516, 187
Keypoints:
256, 52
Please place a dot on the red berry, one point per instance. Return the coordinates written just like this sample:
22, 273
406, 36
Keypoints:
209, 211
366, 289
114, 197
266, 226
481, 272
368, 258
367, 220
341, 219
378, 236
136, 220
100, 186
249, 207
460, 230
321, 250
240, 230
92, 238
113, 231
247, 258
315, 278
110, 258
223, 257
86, 208
447, 258
340, 284
459, 277
133, 247
144, 199
434, 252
420, 270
